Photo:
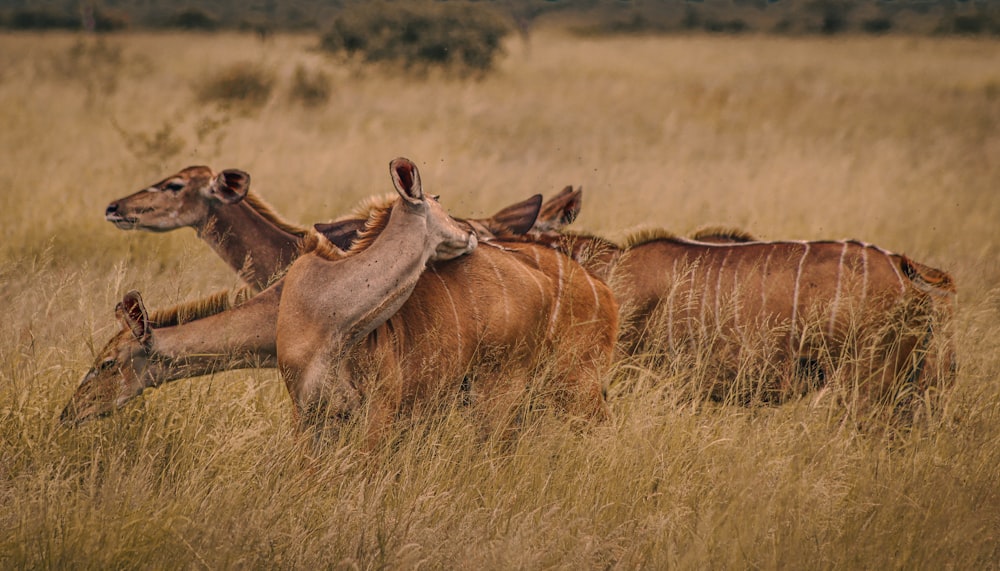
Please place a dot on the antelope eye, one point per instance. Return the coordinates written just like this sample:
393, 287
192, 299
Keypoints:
175, 186
107, 364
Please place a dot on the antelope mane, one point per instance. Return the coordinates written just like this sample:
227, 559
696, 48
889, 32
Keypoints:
647, 235
268, 212
200, 308
375, 209
724, 233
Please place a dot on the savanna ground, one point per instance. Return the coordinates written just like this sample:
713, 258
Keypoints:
893, 140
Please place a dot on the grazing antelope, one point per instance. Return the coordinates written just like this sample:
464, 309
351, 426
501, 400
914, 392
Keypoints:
876, 315
220, 335
245, 231
184, 341
476, 325
331, 300
482, 321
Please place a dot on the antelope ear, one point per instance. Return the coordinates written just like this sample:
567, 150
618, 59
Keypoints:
342, 233
132, 313
406, 179
562, 209
520, 217
230, 186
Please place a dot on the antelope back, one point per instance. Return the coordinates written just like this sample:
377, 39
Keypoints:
814, 300
496, 313
509, 222
560, 210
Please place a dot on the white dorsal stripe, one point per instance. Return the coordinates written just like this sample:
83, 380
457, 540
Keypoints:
503, 288
718, 291
555, 307
836, 295
454, 309
690, 303
593, 290
864, 279
703, 302
735, 301
531, 273
795, 299
670, 309
899, 276
763, 281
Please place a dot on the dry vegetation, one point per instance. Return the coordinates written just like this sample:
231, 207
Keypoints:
892, 140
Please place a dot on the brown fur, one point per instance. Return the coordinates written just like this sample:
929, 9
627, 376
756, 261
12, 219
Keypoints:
493, 317
649, 235
271, 215
675, 291
722, 234
199, 308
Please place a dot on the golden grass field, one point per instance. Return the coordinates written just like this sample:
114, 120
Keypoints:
895, 141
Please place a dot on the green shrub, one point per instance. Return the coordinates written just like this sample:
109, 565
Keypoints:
464, 38
43, 19
311, 88
94, 64
878, 25
984, 20
106, 20
244, 84
194, 19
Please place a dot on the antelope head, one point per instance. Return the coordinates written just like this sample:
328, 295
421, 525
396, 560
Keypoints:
514, 220
184, 199
450, 238
560, 210
509, 222
122, 369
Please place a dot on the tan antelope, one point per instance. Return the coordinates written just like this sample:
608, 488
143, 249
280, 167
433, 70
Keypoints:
219, 335
493, 314
188, 340
240, 227
331, 300
476, 325
879, 317
244, 230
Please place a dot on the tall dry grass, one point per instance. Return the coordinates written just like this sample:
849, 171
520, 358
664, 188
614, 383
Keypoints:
891, 140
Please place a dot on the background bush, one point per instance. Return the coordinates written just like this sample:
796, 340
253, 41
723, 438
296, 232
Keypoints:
245, 84
42, 19
962, 17
459, 37
311, 88
194, 19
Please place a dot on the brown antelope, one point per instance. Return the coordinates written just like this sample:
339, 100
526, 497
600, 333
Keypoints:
331, 300
222, 336
476, 325
495, 312
825, 304
188, 340
244, 230
240, 227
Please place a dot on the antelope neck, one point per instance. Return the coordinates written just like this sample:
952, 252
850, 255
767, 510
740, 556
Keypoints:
251, 245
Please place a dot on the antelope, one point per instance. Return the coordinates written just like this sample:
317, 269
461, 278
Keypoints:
239, 226
474, 326
331, 301
221, 334
799, 303
244, 230
188, 340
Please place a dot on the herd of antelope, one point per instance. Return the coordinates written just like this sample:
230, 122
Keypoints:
398, 306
